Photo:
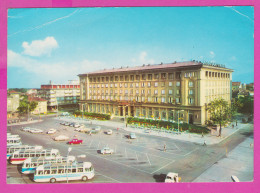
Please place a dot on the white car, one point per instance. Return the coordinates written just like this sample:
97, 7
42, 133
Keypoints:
61, 138
67, 124
109, 132
76, 125
132, 136
51, 131
36, 131
172, 178
26, 129
106, 150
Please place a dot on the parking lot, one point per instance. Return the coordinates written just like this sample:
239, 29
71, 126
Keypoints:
143, 159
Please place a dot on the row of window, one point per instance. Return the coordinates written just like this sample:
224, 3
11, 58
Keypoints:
142, 99
219, 91
163, 76
143, 91
217, 74
143, 84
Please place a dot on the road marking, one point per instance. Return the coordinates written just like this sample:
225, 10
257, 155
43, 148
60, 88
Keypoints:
108, 177
118, 163
163, 167
148, 159
190, 151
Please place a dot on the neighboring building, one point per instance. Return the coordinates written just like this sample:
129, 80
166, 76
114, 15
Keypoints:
13, 101
41, 107
236, 85
156, 91
65, 95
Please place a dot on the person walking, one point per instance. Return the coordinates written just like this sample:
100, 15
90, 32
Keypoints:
164, 148
204, 144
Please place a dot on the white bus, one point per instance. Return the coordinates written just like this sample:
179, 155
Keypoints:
12, 136
62, 172
12, 149
30, 164
19, 157
13, 141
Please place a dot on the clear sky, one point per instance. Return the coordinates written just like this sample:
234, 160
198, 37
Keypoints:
59, 43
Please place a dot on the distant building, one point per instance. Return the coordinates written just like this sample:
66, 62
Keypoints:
156, 91
60, 95
236, 85
41, 107
32, 91
13, 101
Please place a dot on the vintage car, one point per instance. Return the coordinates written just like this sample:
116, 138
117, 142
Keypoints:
106, 150
75, 141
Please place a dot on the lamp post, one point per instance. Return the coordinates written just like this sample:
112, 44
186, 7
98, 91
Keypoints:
69, 150
178, 112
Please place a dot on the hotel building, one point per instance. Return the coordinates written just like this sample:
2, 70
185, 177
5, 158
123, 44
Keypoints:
156, 91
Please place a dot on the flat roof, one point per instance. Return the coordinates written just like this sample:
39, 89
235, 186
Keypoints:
155, 67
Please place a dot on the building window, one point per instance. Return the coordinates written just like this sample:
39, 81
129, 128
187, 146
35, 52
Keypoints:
163, 83
143, 91
121, 85
149, 91
102, 85
156, 84
150, 76
121, 91
178, 83
111, 85
121, 78
136, 85
163, 99
178, 91
116, 85
143, 99
107, 79
106, 85
170, 75
116, 78
156, 76
137, 77
149, 84
170, 99
163, 91
111, 79
170, 83
143, 76
149, 99
163, 75
143, 84
191, 91
126, 77
106, 91
156, 99
156, 91
126, 91
170, 91
190, 84
191, 100
137, 92
177, 100
132, 77
126, 85
131, 85
111, 91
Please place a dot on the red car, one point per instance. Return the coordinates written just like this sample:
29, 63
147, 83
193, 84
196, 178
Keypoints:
75, 141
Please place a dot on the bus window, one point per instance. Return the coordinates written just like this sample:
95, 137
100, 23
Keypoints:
80, 169
48, 155
53, 171
69, 170
40, 172
16, 155
47, 172
60, 171
86, 170
27, 165
26, 155
43, 154
38, 155
73, 170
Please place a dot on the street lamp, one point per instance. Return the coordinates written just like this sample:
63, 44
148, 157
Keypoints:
178, 112
69, 150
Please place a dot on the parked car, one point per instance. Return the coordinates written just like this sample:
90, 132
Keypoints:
106, 150
109, 132
75, 141
62, 123
51, 131
36, 131
67, 124
172, 178
132, 136
26, 129
71, 124
76, 125
61, 138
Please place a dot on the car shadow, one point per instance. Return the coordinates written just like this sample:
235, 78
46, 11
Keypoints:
159, 177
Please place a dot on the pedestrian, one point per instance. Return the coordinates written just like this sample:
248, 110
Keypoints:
236, 122
164, 148
202, 135
232, 125
126, 125
204, 143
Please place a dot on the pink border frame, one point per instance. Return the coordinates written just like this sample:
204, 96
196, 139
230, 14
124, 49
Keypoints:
120, 188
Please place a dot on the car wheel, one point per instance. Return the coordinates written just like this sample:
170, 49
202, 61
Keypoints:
84, 178
52, 180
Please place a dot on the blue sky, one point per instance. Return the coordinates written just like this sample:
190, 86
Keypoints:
59, 43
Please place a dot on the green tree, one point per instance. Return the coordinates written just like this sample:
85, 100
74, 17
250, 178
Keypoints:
220, 112
23, 106
247, 105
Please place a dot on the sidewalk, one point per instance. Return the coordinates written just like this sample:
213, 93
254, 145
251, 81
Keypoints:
195, 138
25, 122
239, 162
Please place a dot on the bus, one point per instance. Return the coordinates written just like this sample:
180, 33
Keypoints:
30, 164
62, 172
18, 157
12, 149
13, 141
12, 136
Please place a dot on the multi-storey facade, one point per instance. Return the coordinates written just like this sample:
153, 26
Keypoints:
156, 91
60, 94
13, 101
41, 107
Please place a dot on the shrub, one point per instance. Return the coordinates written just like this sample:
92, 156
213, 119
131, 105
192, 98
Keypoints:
94, 115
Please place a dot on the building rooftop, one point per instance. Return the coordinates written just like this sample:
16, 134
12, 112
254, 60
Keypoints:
236, 83
154, 67
38, 99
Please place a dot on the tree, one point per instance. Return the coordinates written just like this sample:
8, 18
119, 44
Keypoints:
23, 106
220, 112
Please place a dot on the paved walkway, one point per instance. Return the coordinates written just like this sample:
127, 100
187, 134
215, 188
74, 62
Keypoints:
195, 138
239, 162
25, 122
